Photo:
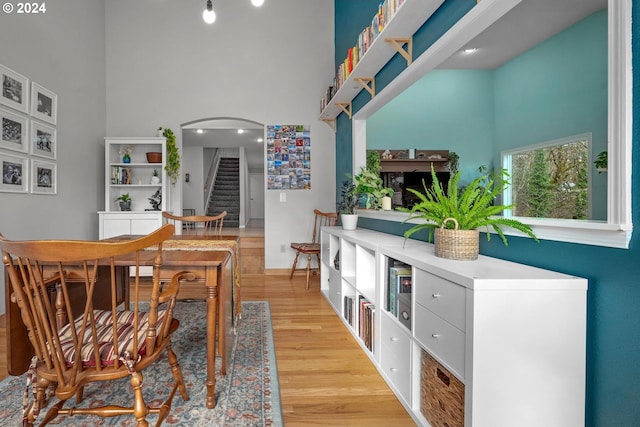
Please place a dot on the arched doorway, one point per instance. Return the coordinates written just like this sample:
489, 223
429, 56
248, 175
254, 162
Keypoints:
206, 140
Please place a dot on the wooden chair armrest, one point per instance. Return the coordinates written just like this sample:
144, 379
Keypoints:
170, 291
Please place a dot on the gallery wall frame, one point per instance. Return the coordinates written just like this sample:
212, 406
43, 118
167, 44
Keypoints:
15, 173
15, 130
15, 89
42, 140
44, 104
44, 177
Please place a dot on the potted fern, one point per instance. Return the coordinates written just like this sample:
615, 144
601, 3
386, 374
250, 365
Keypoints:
455, 216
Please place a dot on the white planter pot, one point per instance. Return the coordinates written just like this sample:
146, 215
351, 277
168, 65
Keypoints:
349, 222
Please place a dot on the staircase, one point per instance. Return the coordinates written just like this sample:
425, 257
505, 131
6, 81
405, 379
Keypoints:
226, 192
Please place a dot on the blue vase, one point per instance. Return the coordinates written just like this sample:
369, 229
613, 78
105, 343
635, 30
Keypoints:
126, 158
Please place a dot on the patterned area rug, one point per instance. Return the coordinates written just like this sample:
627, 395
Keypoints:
248, 395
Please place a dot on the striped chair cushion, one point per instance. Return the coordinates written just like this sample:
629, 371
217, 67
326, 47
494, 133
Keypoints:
104, 332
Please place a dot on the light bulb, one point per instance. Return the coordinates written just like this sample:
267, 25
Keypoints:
209, 15
257, 3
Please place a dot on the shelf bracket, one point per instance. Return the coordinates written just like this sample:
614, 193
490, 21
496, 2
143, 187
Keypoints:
398, 44
346, 107
331, 123
368, 83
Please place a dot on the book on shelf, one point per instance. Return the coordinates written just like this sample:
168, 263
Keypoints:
365, 320
399, 277
385, 12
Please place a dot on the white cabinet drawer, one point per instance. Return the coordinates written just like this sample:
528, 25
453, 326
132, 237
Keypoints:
394, 336
444, 298
395, 357
441, 339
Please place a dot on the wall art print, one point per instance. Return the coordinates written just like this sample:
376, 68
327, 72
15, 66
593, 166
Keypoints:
15, 173
44, 104
14, 131
15, 89
288, 157
43, 177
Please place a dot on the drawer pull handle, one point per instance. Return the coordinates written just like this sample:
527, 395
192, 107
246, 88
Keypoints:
434, 296
393, 339
435, 335
393, 369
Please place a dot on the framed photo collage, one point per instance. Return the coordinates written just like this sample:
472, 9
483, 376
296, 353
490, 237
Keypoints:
28, 116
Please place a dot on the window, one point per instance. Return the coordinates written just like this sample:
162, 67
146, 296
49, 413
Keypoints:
550, 179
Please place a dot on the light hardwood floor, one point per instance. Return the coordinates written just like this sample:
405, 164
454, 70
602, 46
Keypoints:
325, 378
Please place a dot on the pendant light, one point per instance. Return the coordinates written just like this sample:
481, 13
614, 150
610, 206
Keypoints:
209, 16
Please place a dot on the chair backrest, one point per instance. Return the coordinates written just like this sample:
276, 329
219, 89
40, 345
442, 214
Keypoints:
71, 296
196, 224
322, 219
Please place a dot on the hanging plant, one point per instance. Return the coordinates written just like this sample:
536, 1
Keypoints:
173, 156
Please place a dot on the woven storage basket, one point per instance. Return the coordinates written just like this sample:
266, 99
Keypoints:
441, 395
456, 244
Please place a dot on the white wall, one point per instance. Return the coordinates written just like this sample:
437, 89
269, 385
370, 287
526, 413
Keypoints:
165, 67
62, 50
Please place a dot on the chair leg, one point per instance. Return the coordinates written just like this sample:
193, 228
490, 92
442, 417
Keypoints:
308, 270
295, 263
177, 372
140, 409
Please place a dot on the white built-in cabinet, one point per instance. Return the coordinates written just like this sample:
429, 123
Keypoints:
136, 179
513, 335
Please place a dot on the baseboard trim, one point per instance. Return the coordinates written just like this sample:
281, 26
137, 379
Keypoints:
277, 271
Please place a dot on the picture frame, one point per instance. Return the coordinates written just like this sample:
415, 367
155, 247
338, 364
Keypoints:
43, 177
15, 173
15, 90
43, 140
15, 131
44, 104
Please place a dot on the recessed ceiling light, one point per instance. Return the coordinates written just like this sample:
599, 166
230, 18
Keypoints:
240, 130
470, 50
199, 131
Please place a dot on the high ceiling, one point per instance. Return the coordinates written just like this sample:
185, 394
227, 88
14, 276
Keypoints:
525, 26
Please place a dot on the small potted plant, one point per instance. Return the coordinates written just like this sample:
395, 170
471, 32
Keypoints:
155, 179
456, 215
125, 152
348, 205
369, 186
125, 202
601, 162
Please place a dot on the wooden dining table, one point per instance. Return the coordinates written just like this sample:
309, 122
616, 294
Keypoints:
213, 260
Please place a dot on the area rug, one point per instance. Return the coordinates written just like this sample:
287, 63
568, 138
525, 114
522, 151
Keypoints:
248, 395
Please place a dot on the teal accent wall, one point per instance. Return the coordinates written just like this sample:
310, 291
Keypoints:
613, 299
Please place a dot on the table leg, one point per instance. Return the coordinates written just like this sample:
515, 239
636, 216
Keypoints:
211, 283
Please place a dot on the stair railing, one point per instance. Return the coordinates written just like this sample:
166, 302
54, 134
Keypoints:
211, 179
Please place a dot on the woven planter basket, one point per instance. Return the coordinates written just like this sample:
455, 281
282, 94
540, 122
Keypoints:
462, 245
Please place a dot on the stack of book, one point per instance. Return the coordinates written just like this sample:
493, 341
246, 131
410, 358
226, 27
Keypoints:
399, 283
386, 10
367, 310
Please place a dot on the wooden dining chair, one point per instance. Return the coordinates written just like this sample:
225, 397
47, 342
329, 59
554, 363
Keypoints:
197, 225
310, 249
80, 337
